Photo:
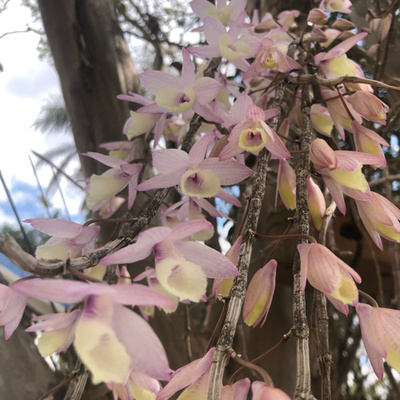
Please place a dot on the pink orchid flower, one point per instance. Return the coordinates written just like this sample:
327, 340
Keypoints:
224, 11
380, 218
370, 142
270, 57
339, 113
369, 106
69, 239
329, 274
259, 295
263, 392
287, 18
123, 150
182, 266
342, 6
335, 63
110, 339
197, 177
380, 330
286, 185
189, 209
58, 331
141, 123
227, 44
180, 95
195, 375
341, 171
253, 134
103, 187
317, 16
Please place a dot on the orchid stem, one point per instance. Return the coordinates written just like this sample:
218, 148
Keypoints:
261, 357
264, 374
370, 299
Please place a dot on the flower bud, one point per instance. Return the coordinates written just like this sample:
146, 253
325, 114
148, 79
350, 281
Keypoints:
259, 295
317, 16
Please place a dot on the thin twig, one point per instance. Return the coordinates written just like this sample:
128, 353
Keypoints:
307, 79
264, 374
261, 357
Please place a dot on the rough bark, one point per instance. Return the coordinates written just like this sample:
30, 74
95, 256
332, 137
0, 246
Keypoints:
94, 65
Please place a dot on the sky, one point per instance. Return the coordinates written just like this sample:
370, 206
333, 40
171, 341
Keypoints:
25, 85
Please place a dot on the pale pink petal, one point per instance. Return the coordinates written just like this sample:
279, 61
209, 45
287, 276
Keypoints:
160, 181
207, 206
188, 74
88, 235
153, 81
213, 263
232, 149
205, 111
229, 198
345, 46
139, 295
139, 250
60, 290
188, 228
229, 171
274, 144
199, 149
343, 308
373, 336
213, 28
336, 193
239, 108
303, 250
186, 375
170, 160
143, 346
206, 90
205, 51
153, 108
56, 227
106, 160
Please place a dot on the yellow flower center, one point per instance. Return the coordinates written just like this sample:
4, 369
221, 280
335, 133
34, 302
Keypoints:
253, 140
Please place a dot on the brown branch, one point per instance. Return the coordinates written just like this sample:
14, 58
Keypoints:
300, 328
307, 79
238, 290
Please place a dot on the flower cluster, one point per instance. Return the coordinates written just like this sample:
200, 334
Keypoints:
239, 121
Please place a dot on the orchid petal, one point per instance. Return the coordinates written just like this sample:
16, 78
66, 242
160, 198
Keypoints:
139, 250
213, 263
188, 228
186, 375
154, 81
56, 227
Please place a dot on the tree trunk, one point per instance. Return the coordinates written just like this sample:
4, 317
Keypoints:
94, 65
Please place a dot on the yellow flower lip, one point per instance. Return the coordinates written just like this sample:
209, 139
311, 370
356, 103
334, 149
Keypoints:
200, 183
270, 61
253, 140
178, 100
